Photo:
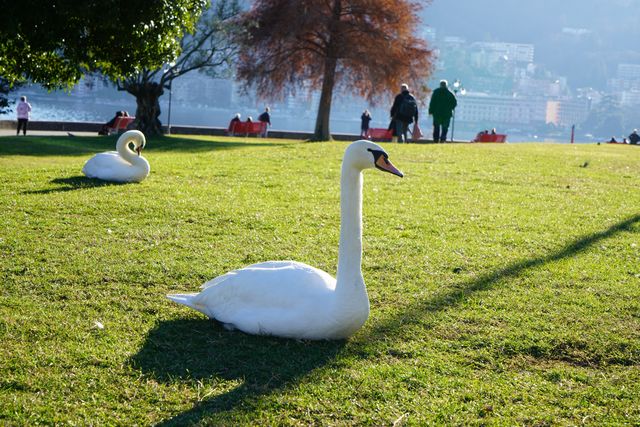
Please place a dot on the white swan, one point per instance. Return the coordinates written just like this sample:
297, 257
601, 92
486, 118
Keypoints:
122, 165
294, 300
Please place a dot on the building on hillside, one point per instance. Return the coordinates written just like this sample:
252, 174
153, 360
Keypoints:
518, 53
626, 85
482, 109
630, 98
429, 34
567, 112
629, 71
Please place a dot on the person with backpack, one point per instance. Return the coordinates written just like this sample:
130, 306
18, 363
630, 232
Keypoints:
403, 112
441, 106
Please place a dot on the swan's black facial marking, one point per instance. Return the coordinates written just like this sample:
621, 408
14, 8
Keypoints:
377, 154
381, 161
380, 158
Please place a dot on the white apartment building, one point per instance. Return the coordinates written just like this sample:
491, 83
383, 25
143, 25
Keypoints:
517, 52
629, 71
484, 108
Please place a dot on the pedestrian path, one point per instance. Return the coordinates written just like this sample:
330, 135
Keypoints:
12, 132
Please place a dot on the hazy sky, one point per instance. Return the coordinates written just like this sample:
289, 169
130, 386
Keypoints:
527, 20
587, 60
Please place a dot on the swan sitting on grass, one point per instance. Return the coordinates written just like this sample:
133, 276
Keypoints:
122, 165
294, 300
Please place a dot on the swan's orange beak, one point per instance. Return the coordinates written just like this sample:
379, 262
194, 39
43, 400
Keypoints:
383, 163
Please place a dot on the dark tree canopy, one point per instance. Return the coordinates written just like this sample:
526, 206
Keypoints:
210, 49
141, 45
54, 42
366, 47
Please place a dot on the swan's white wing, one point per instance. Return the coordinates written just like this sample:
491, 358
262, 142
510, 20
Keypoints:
105, 166
282, 298
110, 166
283, 268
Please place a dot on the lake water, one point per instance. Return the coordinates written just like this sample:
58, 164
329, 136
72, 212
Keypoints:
66, 108
61, 107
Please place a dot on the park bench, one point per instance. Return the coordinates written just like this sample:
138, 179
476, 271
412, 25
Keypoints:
379, 134
487, 137
246, 128
120, 124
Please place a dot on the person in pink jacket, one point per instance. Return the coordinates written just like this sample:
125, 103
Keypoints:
24, 112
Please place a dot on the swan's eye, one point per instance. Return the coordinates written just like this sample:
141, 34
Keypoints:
377, 154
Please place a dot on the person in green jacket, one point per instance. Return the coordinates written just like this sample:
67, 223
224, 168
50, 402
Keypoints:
441, 107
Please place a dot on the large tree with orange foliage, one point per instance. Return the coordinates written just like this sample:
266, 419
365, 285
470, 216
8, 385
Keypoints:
366, 47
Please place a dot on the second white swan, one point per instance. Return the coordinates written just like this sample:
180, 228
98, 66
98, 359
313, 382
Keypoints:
122, 165
294, 300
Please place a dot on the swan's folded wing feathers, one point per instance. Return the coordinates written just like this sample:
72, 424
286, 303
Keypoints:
262, 288
304, 274
102, 165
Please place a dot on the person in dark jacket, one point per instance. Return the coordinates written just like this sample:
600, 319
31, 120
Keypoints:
265, 118
441, 106
403, 112
365, 118
634, 138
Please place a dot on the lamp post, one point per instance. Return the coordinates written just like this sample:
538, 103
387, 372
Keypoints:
457, 86
169, 111
170, 72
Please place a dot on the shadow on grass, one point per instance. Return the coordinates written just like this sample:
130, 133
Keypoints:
189, 350
192, 350
66, 146
79, 182
462, 292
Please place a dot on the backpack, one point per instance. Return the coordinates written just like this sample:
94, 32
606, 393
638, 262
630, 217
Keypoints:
408, 108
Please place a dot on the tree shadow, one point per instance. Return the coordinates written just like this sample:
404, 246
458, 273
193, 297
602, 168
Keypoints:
202, 145
192, 350
41, 146
464, 291
79, 182
65, 146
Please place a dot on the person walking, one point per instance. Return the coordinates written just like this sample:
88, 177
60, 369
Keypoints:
403, 112
443, 103
24, 113
265, 118
365, 119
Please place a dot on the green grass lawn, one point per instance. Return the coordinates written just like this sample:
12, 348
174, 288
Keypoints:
504, 282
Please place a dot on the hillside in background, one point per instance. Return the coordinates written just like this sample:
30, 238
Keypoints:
587, 58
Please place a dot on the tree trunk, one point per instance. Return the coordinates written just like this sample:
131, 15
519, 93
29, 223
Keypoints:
148, 107
322, 132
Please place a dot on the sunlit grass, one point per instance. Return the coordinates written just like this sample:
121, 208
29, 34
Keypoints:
504, 283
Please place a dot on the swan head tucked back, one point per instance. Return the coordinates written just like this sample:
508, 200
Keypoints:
365, 154
123, 165
136, 137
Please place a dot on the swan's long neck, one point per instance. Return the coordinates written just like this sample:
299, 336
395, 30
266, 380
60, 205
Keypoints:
349, 277
122, 147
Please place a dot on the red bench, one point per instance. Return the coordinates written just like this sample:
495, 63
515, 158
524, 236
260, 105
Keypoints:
246, 128
120, 124
487, 137
379, 134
